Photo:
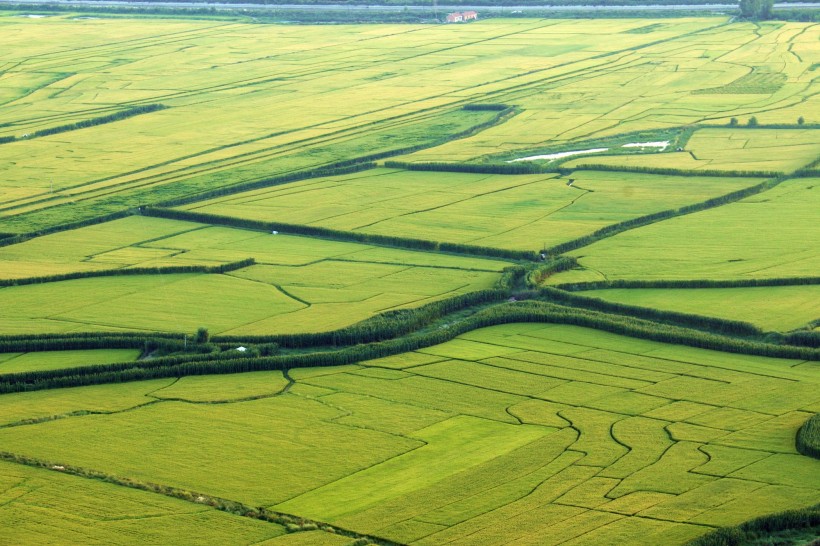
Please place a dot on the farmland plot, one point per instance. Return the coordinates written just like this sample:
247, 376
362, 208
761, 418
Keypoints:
512, 434
526, 212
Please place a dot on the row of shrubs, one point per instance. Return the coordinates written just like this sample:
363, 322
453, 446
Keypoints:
614, 229
712, 324
23, 237
526, 311
479, 168
671, 172
761, 530
117, 116
159, 270
291, 523
688, 283
339, 235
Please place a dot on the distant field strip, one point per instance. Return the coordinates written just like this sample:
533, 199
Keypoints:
522, 433
525, 212
780, 150
260, 100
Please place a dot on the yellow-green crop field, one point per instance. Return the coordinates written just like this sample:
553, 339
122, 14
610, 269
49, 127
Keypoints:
225, 320
773, 234
727, 149
527, 212
513, 434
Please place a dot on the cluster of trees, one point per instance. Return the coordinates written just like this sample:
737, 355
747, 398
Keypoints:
756, 9
614, 229
486, 106
808, 437
339, 235
760, 530
159, 270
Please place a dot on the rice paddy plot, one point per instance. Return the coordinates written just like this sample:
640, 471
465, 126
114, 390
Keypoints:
306, 284
519, 212
779, 308
43, 506
777, 150
655, 439
53, 360
746, 239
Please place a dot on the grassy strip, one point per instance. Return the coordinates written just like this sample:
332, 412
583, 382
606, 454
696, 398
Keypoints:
689, 283
528, 311
291, 523
160, 270
711, 324
338, 235
641, 221
808, 437
751, 532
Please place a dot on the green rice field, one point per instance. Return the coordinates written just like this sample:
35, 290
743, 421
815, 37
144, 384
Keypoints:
519, 212
225, 319
773, 150
709, 244
516, 433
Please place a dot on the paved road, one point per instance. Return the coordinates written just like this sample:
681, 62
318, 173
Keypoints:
443, 8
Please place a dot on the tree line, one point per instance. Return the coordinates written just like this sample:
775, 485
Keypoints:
523, 311
478, 168
687, 283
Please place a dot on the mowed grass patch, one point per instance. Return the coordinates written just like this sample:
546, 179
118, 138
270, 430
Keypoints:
731, 149
41, 506
779, 308
54, 360
747, 239
518, 212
